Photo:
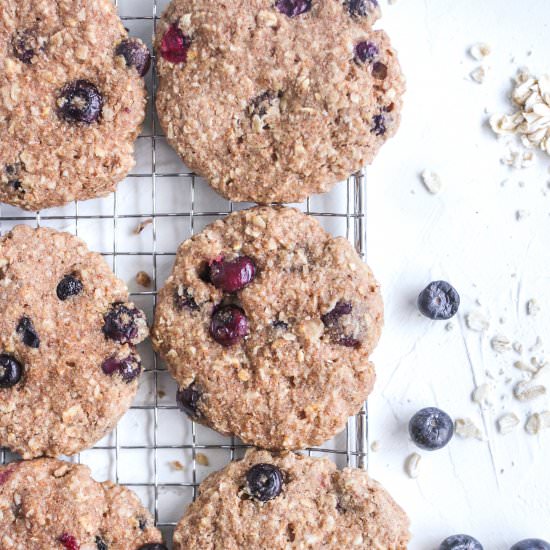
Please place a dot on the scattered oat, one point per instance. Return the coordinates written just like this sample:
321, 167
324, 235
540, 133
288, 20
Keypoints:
500, 343
412, 465
480, 50
161, 393
527, 390
432, 181
177, 465
525, 367
142, 225
375, 446
202, 459
531, 122
475, 320
465, 427
143, 279
478, 74
532, 307
482, 395
537, 422
507, 423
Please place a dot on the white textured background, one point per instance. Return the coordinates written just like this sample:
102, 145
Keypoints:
497, 490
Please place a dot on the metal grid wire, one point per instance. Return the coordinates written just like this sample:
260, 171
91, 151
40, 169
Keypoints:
352, 447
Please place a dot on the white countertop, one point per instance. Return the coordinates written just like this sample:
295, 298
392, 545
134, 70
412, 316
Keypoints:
497, 490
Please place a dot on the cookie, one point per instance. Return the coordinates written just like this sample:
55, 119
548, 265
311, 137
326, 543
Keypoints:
72, 100
47, 503
68, 364
272, 101
267, 323
286, 501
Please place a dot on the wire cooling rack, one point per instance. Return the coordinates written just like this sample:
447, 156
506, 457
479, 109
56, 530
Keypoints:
155, 449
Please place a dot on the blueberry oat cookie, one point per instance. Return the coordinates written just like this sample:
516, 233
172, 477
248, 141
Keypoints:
273, 101
286, 501
267, 323
48, 504
72, 100
68, 364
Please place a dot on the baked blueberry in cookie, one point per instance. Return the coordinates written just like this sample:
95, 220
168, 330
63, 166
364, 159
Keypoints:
285, 500
67, 129
295, 95
68, 364
460, 542
267, 330
49, 504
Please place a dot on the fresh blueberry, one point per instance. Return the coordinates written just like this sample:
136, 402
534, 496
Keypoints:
121, 323
379, 70
183, 299
365, 51
333, 321
11, 371
69, 286
101, 544
69, 542
378, 125
439, 301
80, 101
231, 276
26, 44
175, 45
460, 542
188, 400
361, 8
264, 482
229, 325
531, 544
136, 54
28, 333
152, 546
431, 429
292, 8
129, 368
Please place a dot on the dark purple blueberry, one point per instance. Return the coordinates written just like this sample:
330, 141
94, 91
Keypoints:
136, 54
438, 301
152, 546
531, 544
234, 275
11, 371
332, 317
293, 8
69, 286
26, 44
188, 400
431, 429
13, 172
80, 101
28, 333
129, 368
349, 342
379, 70
69, 542
264, 482
334, 323
280, 324
120, 323
460, 542
142, 524
378, 125
182, 300
361, 8
366, 51
229, 325
101, 544
175, 45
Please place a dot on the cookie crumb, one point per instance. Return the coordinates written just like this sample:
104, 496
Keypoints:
161, 393
142, 225
412, 465
177, 465
482, 395
202, 459
476, 321
465, 427
143, 279
480, 50
375, 446
507, 423
432, 181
